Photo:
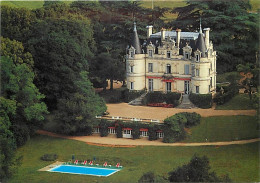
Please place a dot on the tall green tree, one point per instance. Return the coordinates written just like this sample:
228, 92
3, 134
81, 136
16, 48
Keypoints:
61, 49
17, 84
7, 140
15, 50
197, 170
234, 31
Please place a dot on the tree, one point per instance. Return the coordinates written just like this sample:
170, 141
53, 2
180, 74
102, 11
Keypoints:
174, 128
17, 84
7, 141
61, 49
16, 22
77, 113
234, 30
197, 170
15, 50
250, 77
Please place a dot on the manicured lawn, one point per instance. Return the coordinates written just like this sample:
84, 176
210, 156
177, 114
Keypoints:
224, 128
241, 162
238, 102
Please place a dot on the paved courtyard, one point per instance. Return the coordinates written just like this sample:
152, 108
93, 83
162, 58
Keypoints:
160, 113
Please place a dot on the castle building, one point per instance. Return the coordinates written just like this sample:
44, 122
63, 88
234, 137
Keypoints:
172, 61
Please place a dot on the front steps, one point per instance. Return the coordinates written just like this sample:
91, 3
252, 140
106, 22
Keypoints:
186, 103
137, 101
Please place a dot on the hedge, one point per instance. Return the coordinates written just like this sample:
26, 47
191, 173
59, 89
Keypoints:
103, 128
193, 118
201, 100
159, 97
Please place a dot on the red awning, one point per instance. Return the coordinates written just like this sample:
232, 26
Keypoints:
185, 79
159, 131
111, 127
127, 128
164, 80
153, 77
144, 129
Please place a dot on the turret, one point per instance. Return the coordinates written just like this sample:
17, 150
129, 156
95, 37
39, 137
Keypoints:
136, 42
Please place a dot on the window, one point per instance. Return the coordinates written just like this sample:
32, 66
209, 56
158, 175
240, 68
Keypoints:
96, 130
168, 69
150, 67
168, 54
150, 84
197, 58
111, 130
150, 53
131, 69
210, 81
197, 72
210, 66
209, 72
131, 54
131, 85
193, 70
159, 134
209, 88
186, 69
128, 132
186, 55
168, 86
197, 89
144, 133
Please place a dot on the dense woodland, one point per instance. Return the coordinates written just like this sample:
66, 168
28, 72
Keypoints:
51, 58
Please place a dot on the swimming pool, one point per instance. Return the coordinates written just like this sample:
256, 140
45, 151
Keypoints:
83, 170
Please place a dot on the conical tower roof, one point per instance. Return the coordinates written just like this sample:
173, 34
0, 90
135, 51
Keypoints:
201, 45
136, 42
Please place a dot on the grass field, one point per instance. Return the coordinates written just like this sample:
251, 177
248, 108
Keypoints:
224, 128
238, 102
241, 162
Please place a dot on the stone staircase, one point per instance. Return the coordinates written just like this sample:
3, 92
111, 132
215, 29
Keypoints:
137, 101
186, 103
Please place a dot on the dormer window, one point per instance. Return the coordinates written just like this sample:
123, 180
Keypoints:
168, 54
150, 53
131, 54
187, 55
197, 58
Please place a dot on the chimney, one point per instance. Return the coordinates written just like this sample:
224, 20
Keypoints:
162, 34
206, 32
178, 37
149, 31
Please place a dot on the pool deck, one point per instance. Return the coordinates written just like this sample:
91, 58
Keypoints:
47, 168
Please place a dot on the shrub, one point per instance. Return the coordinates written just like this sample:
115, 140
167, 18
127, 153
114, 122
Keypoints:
174, 128
136, 130
119, 133
111, 96
152, 132
49, 157
192, 118
159, 97
103, 128
229, 92
201, 100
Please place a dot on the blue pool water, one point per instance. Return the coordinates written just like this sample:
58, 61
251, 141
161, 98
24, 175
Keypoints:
83, 170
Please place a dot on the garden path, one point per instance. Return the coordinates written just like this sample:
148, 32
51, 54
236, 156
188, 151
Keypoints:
112, 141
160, 113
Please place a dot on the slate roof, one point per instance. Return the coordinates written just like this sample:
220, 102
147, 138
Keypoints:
200, 44
172, 34
136, 42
